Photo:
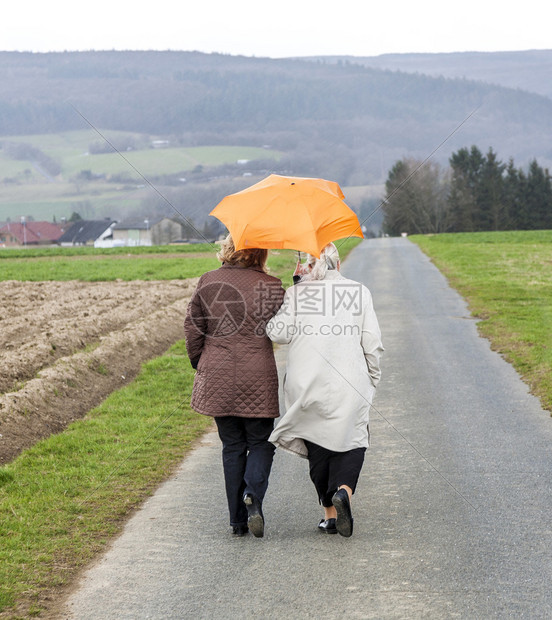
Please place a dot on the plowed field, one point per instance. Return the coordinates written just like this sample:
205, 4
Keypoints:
64, 346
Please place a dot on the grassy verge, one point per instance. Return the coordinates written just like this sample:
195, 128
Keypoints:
61, 500
506, 277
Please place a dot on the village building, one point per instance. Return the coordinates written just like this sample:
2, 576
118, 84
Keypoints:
146, 231
29, 233
88, 232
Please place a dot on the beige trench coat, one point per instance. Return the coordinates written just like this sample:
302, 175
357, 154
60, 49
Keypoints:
333, 364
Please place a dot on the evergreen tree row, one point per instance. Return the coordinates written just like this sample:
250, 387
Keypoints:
477, 193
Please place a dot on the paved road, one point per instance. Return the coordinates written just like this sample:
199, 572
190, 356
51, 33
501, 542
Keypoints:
452, 514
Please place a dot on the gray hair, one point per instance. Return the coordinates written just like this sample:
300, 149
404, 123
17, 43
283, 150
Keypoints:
329, 259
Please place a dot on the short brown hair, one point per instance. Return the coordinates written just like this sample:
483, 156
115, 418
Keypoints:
250, 257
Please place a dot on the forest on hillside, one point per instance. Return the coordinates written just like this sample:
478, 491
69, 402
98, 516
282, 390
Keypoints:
344, 121
527, 70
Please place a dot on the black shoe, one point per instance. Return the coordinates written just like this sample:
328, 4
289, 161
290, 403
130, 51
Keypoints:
344, 522
327, 526
255, 519
240, 530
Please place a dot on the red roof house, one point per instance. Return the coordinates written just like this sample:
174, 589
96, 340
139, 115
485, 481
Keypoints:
29, 233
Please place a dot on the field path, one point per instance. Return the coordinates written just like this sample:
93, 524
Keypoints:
452, 514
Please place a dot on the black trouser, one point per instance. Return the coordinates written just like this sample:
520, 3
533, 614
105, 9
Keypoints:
329, 470
247, 460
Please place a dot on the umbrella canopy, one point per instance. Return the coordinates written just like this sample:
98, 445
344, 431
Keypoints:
288, 212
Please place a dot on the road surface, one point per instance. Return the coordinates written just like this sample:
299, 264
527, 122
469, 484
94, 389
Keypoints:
452, 512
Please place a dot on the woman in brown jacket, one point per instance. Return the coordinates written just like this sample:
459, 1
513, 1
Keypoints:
236, 380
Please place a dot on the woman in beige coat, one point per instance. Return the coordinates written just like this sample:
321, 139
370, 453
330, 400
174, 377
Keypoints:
332, 372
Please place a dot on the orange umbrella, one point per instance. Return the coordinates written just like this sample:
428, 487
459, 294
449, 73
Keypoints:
288, 212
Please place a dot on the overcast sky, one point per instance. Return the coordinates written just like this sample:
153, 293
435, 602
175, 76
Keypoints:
276, 29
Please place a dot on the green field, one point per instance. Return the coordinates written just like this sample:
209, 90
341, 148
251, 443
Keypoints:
25, 190
103, 265
506, 277
95, 265
154, 162
106, 269
88, 251
71, 150
138, 263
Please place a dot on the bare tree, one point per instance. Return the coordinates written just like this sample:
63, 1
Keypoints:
416, 198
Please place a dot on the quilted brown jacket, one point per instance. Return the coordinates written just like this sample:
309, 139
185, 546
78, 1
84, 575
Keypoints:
226, 341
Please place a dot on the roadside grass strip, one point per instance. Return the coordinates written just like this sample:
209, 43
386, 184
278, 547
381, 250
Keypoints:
64, 498
506, 278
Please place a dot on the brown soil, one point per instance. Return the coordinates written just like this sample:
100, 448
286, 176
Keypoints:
64, 346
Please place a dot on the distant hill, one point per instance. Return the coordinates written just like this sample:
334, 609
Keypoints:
341, 119
528, 70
